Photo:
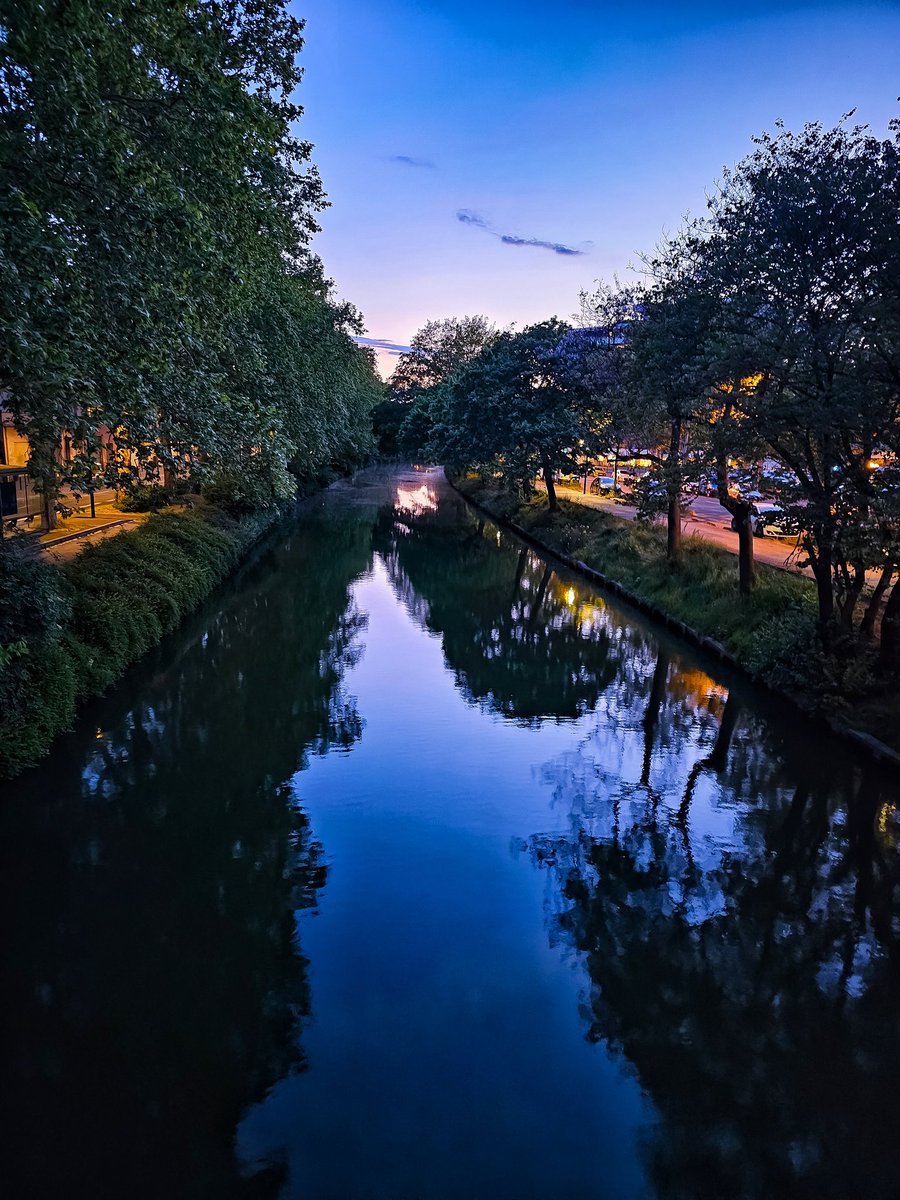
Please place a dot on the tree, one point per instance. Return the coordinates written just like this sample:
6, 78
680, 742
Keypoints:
603, 351
157, 212
672, 371
438, 349
516, 407
806, 281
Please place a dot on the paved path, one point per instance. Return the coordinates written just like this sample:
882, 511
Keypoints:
68, 548
73, 533
708, 520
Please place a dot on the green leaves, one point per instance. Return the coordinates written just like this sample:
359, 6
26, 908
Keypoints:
159, 208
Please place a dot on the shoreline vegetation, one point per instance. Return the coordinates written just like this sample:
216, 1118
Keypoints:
168, 331
78, 627
771, 634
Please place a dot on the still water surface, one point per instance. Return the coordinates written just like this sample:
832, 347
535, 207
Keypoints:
413, 869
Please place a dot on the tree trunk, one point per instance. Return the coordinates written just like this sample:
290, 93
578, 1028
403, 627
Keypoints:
548, 480
673, 516
746, 561
870, 616
820, 561
651, 715
889, 657
49, 511
742, 512
673, 522
852, 581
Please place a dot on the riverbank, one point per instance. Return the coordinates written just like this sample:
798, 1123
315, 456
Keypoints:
771, 634
69, 631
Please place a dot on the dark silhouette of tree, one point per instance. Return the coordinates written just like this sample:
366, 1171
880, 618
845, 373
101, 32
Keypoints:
752, 985
516, 643
151, 875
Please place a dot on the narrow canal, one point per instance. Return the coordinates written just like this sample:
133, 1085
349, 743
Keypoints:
413, 869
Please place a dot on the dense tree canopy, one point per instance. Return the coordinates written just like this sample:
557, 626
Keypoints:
518, 403
155, 276
404, 419
805, 273
438, 349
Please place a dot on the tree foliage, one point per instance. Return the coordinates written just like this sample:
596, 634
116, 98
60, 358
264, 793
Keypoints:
806, 276
438, 349
518, 407
155, 273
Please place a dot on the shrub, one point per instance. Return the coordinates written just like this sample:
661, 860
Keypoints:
37, 701
145, 497
71, 632
783, 647
32, 600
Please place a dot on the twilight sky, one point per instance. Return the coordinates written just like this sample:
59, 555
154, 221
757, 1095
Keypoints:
497, 156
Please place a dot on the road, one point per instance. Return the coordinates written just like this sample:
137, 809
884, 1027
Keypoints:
706, 518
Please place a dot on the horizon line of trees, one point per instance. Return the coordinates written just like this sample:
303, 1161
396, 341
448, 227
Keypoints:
769, 328
156, 281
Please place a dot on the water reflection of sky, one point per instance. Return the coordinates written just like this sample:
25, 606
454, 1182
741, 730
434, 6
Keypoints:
434, 873
459, 789
447, 1038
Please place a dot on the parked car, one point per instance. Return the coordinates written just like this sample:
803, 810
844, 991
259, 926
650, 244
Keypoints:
706, 485
766, 520
602, 483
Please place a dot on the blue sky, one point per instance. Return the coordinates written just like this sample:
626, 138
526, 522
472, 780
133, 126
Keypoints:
498, 157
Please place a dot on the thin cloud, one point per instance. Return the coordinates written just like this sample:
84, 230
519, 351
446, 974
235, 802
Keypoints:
468, 216
393, 348
409, 161
557, 247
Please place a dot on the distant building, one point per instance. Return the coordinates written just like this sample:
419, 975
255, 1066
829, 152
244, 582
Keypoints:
23, 509
20, 504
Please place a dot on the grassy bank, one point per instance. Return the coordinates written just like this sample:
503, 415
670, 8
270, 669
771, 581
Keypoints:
771, 633
67, 633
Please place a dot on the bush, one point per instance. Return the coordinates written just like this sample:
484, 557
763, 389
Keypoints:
782, 650
145, 497
32, 600
71, 632
37, 701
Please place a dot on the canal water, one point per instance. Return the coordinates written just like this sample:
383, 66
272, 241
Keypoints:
411, 868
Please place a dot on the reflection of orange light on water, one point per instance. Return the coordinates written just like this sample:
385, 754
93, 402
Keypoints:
587, 606
415, 501
699, 687
887, 823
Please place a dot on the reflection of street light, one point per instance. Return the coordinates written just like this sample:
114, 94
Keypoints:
570, 597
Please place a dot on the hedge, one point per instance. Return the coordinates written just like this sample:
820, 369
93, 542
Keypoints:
72, 631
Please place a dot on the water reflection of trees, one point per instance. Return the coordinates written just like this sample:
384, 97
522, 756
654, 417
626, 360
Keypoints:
153, 985
734, 895
516, 636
